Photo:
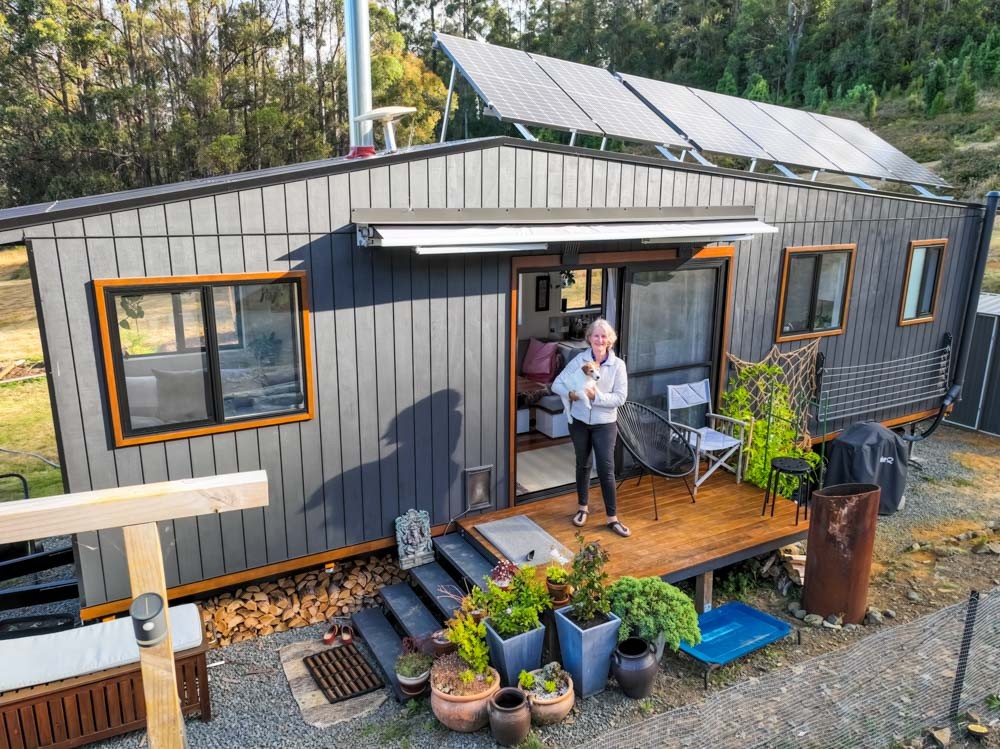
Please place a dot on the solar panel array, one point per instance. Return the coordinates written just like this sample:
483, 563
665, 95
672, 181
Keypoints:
537, 90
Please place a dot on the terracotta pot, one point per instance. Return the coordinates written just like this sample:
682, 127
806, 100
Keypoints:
510, 716
634, 667
547, 711
413, 686
559, 593
441, 645
464, 714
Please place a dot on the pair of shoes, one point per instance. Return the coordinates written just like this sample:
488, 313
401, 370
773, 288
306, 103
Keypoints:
620, 528
344, 633
580, 519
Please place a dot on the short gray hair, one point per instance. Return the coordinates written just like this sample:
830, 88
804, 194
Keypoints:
601, 322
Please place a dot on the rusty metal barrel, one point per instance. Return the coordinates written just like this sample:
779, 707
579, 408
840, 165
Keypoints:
842, 521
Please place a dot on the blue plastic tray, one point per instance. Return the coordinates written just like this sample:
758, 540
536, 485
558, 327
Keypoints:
732, 631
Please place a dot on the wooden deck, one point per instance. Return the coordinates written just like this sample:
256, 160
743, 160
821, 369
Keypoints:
724, 526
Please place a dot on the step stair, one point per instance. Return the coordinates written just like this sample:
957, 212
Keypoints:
464, 557
431, 578
411, 613
382, 640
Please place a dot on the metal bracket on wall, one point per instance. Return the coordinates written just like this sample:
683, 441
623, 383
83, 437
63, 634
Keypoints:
786, 171
666, 153
447, 103
860, 182
699, 158
921, 190
525, 132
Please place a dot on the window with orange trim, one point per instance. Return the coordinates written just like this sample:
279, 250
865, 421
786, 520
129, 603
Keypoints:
195, 355
923, 278
815, 289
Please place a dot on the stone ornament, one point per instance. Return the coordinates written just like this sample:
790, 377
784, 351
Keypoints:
413, 539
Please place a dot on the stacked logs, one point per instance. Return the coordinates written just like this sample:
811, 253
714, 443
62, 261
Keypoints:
297, 601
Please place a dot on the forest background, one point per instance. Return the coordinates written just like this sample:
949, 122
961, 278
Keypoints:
104, 95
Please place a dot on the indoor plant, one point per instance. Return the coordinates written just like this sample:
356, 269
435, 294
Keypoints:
550, 692
654, 610
413, 669
514, 632
587, 628
557, 581
463, 682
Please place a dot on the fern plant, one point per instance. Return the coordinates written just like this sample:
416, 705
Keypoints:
650, 607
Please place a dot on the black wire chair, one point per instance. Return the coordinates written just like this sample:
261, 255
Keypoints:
656, 445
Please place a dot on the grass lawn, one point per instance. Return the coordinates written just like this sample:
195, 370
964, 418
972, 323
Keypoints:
26, 425
18, 329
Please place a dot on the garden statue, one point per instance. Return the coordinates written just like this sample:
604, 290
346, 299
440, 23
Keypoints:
413, 539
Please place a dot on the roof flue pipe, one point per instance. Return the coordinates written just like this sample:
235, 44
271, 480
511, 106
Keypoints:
359, 77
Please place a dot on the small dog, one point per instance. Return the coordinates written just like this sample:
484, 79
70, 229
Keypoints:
589, 371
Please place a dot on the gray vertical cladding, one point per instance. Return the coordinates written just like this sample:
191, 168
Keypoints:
411, 352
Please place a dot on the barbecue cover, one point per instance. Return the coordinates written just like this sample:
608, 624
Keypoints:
869, 454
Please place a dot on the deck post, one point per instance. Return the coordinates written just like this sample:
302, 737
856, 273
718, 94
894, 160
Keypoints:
703, 592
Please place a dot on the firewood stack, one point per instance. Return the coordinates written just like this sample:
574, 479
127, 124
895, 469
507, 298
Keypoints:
297, 601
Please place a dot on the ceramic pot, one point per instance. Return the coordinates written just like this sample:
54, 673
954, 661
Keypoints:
516, 654
634, 667
586, 653
464, 714
440, 645
559, 593
510, 716
413, 686
547, 711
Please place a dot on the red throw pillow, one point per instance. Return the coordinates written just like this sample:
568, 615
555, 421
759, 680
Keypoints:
539, 360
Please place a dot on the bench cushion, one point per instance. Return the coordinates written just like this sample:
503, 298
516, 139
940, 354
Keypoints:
28, 661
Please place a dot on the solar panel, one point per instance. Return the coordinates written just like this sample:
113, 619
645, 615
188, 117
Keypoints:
846, 158
608, 103
898, 164
514, 87
692, 116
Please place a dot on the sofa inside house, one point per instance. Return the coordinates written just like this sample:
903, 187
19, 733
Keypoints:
538, 364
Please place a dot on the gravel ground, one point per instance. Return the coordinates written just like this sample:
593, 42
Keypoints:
958, 481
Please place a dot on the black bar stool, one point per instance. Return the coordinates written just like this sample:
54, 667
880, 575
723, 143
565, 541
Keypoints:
795, 468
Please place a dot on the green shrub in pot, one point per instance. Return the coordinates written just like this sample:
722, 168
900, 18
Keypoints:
654, 610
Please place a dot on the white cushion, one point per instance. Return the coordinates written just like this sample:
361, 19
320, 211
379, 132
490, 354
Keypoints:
711, 440
28, 661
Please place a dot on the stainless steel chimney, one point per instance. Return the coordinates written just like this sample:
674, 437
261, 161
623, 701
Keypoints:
359, 77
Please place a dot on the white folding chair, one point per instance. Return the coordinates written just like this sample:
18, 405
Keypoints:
718, 441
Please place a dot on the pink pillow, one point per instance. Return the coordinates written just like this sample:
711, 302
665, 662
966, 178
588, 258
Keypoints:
539, 360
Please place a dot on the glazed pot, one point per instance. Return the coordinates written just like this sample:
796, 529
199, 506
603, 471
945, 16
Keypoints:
586, 653
547, 711
510, 716
464, 714
516, 654
413, 686
440, 645
634, 667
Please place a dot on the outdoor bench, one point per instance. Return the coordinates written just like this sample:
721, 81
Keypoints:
72, 688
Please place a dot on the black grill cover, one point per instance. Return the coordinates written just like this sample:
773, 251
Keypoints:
869, 454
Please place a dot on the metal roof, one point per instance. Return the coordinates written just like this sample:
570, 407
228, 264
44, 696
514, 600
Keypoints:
989, 304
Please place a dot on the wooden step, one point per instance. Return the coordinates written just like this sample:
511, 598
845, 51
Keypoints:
384, 643
431, 578
466, 560
411, 613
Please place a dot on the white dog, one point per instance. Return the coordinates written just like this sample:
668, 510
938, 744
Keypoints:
590, 371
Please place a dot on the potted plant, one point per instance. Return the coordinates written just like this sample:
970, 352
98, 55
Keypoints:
587, 629
557, 581
656, 611
514, 633
503, 573
413, 669
463, 682
476, 603
550, 693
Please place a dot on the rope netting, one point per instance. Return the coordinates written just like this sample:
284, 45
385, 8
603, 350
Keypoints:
887, 688
798, 375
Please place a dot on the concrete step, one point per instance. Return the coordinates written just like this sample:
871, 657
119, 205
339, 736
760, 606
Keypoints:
431, 578
411, 613
464, 558
382, 640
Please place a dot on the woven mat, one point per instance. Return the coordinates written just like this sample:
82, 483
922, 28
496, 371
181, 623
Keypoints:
316, 710
516, 536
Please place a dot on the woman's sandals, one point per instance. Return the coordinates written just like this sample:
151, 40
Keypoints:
580, 519
620, 528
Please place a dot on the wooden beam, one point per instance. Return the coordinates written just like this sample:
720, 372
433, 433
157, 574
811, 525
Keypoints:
29, 519
703, 592
164, 721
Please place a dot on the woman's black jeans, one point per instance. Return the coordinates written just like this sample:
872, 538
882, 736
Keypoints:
599, 440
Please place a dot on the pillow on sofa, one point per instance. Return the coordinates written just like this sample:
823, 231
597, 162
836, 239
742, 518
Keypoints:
141, 395
539, 360
180, 396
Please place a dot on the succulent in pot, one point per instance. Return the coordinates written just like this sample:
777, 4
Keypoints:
557, 581
550, 693
412, 672
463, 682
514, 632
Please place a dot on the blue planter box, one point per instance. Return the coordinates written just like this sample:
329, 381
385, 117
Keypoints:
519, 653
586, 653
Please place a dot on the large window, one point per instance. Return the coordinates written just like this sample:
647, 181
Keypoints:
195, 355
815, 289
923, 277
581, 288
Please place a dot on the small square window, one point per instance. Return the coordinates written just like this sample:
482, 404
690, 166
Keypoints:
816, 285
923, 277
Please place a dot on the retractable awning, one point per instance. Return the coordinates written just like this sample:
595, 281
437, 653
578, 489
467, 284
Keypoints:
441, 231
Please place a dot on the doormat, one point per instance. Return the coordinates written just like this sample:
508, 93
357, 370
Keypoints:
316, 710
521, 540
341, 673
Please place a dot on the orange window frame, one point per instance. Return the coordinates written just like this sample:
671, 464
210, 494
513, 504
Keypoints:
943, 244
102, 286
779, 337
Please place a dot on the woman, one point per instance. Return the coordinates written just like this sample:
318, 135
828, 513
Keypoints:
594, 429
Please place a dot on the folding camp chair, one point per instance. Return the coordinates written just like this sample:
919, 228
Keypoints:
717, 442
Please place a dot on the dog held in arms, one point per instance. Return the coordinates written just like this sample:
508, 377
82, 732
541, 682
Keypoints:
590, 371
